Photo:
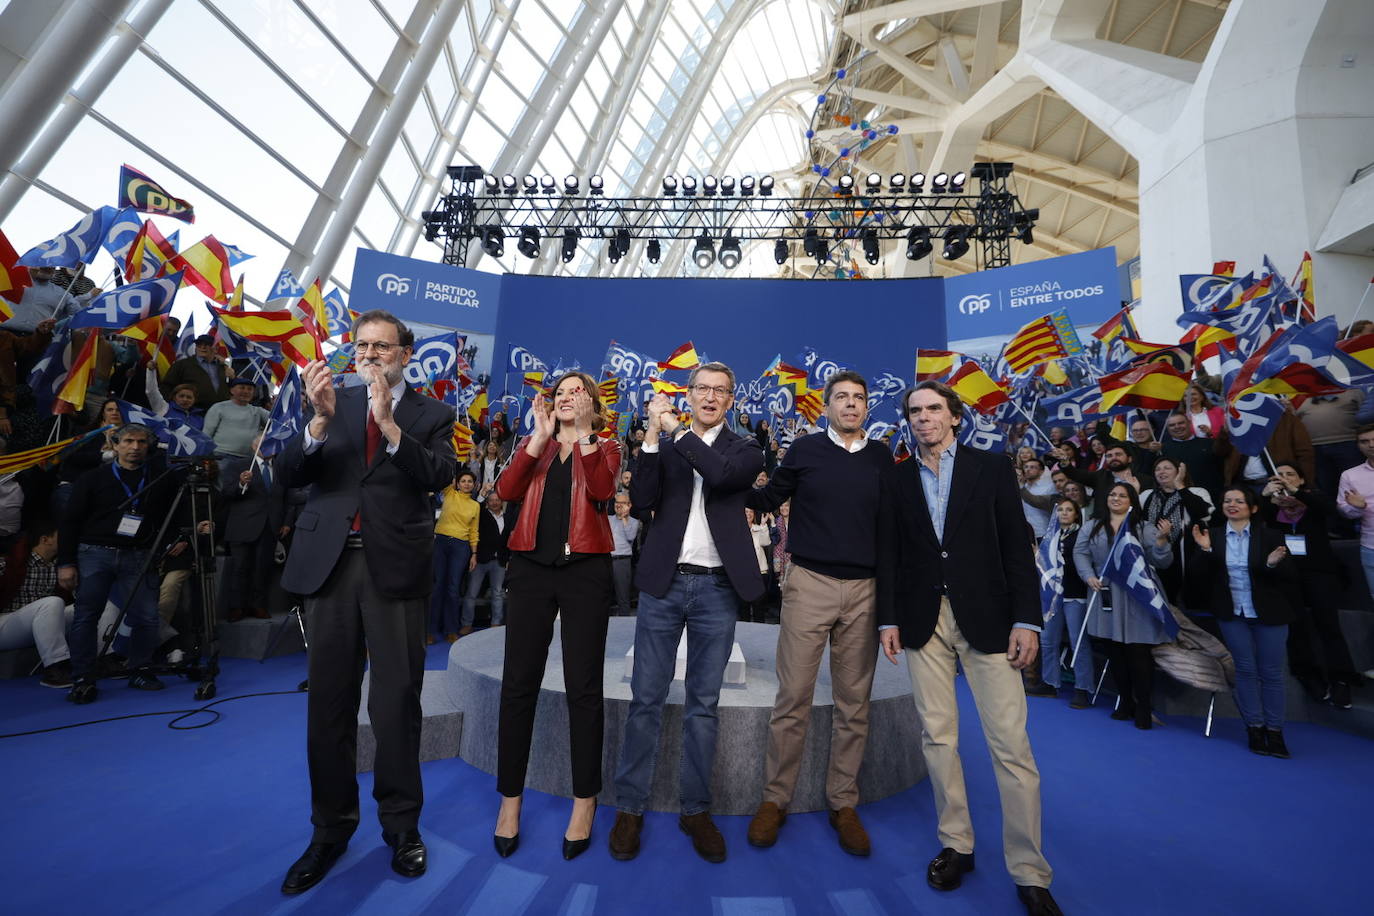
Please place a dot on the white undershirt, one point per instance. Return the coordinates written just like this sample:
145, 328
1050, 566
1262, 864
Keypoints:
698, 547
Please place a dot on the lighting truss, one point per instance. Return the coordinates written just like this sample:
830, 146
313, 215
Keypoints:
989, 215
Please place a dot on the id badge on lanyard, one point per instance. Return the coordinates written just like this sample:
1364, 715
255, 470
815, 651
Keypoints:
130, 521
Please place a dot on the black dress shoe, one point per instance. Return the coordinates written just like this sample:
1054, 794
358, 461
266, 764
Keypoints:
574, 848
1255, 738
1274, 743
1038, 901
408, 856
83, 692
946, 871
312, 866
505, 845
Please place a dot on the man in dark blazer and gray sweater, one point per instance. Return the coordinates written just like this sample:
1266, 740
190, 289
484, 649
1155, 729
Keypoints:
696, 565
956, 582
361, 554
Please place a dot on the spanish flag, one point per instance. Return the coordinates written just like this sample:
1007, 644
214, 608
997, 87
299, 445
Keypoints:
790, 375
1362, 348
280, 327
13, 278
1302, 284
976, 388
207, 268
148, 255
535, 380
1119, 325
1054, 373
477, 410
1206, 340
684, 357
936, 364
72, 397
1153, 386
662, 386
153, 341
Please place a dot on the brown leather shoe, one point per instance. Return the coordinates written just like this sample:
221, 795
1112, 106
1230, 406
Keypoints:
465, 631
853, 836
451, 638
625, 836
763, 829
706, 839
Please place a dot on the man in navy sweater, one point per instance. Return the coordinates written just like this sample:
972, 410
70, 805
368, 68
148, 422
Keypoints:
832, 479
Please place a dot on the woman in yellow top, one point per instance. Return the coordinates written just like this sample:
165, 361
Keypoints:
455, 540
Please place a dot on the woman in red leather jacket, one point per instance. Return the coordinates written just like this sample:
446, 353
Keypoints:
560, 566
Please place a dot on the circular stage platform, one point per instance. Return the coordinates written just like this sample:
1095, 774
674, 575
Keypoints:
892, 761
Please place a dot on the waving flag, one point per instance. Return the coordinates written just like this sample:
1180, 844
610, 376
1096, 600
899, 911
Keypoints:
937, 364
182, 441
339, 315
433, 358
790, 376
72, 395
663, 386
286, 418
1249, 416
818, 367
78, 245
622, 362
1127, 567
128, 304
684, 357
1312, 347
146, 254
1153, 386
236, 254
1307, 309
153, 342
523, 361
982, 432
286, 287
1049, 561
280, 327
206, 267
462, 441
120, 232
140, 192
1212, 291
13, 278
15, 462
1119, 325
809, 405
1045, 338
977, 389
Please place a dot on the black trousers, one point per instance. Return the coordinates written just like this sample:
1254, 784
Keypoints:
1133, 668
248, 572
1320, 622
350, 622
580, 595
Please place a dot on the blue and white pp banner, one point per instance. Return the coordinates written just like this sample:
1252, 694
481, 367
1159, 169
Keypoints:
438, 294
1000, 302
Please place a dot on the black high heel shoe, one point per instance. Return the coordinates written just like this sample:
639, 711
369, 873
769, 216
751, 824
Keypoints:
505, 845
574, 848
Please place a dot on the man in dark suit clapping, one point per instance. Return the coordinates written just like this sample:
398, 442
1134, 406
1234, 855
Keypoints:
361, 553
956, 581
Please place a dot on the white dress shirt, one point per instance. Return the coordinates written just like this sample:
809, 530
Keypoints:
698, 547
312, 444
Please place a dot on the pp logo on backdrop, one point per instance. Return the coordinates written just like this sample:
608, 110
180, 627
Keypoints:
434, 357
393, 285
975, 304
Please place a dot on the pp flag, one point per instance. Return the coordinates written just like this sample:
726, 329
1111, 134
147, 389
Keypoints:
286, 287
819, 368
78, 245
1077, 406
621, 362
142, 193
129, 304
1250, 416
286, 418
1312, 346
1126, 566
523, 361
121, 231
433, 358
982, 432
182, 441
1049, 561
340, 316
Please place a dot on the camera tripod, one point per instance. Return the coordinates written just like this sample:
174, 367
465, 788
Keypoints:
201, 663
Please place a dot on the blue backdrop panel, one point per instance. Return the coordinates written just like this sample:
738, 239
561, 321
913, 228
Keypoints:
999, 302
424, 291
744, 323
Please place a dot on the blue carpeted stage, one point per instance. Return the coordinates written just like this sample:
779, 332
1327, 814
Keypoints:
133, 817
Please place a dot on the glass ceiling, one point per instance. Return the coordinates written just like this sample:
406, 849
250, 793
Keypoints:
257, 111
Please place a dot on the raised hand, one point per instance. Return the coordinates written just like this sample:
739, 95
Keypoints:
1275, 555
1202, 537
543, 420
1165, 528
319, 388
583, 409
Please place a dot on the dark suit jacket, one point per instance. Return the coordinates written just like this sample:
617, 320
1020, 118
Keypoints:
1273, 591
663, 483
983, 561
188, 371
491, 543
393, 493
256, 512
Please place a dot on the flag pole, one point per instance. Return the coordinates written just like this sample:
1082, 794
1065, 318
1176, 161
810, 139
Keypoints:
1097, 594
68, 291
1359, 308
1021, 410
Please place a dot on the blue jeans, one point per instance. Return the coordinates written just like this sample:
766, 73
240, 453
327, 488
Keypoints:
708, 607
451, 557
100, 571
494, 570
1259, 651
1070, 618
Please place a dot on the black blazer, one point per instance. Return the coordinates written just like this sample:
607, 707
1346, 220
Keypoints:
1273, 591
663, 483
257, 512
491, 542
1314, 525
393, 493
983, 561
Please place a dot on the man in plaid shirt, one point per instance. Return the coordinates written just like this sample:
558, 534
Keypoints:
35, 614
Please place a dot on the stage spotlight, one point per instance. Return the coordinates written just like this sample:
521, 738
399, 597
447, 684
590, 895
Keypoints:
918, 243
689, 185
569, 244
766, 185
464, 172
622, 240
746, 186
918, 182
896, 182
845, 185
940, 183
530, 184
1021, 224
873, 183
529, 242
653, 251
822, 251
509, 185
431, 231
709, 185
956, 182
810, 240
730, 253
705, 252
669, 186
871, 246
492, 183
987, 171
613, 251
956, 242
548, 185
493, 241
727, 186
780, 251
597, 184
570, 184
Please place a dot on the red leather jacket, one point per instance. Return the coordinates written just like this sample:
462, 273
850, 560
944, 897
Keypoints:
593, 481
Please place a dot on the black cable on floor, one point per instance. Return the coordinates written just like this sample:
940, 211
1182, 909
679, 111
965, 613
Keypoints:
179, 713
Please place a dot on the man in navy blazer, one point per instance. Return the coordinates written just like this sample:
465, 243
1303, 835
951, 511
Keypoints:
956, 582
696, 565
255, 520
361, 554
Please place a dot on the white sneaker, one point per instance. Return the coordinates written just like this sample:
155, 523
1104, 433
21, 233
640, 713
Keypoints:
175, 657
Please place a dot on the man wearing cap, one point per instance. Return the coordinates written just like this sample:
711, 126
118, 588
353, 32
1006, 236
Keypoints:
235, 423
205, 370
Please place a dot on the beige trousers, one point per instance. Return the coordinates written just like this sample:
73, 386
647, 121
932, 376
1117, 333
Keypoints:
1001, 701
817, 610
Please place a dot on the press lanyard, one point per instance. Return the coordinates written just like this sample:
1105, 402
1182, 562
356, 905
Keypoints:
133, 500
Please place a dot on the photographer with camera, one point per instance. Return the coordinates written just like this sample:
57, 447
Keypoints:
111, 518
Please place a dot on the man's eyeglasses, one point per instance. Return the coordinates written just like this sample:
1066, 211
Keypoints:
381, 348
719, 391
